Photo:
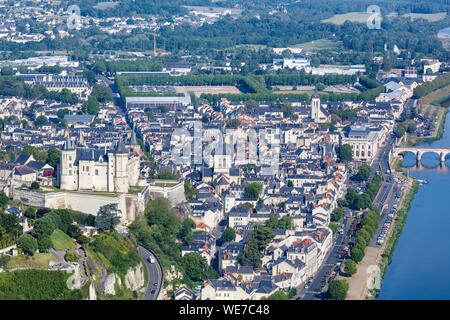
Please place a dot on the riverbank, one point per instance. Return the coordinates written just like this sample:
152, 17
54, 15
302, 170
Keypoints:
427, 107
399, 223
439, 132
381, 256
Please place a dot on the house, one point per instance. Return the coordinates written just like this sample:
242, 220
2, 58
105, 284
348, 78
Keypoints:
222, 289
184, 293
203, 244
228, 255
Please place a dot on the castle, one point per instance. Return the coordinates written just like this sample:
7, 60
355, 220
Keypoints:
95, 169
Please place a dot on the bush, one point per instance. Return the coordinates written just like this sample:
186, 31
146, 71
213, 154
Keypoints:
69, 256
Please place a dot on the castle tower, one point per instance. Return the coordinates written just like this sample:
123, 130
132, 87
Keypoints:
315, 108
68, 177
121, 168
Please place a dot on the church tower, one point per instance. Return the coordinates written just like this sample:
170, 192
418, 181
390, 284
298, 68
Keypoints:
315, 108
68, 177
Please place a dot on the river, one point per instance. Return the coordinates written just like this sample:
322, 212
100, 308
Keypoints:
420, 267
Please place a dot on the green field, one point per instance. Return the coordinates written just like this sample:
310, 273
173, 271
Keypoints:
340, 19
38, 261
61, 241
431, 17
106, 5
320, 44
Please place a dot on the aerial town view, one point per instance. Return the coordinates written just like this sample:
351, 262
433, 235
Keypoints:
224, 150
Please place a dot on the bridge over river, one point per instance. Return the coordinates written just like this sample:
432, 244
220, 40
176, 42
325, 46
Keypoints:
420, 151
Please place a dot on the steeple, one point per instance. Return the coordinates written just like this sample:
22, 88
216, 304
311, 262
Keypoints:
68, 145
120, 147
133, 139
81, 141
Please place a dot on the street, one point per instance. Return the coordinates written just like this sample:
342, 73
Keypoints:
155, 275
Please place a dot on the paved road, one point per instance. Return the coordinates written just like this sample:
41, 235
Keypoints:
329, 265
155, 275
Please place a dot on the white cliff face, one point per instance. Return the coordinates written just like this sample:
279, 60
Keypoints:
134, 279
92, 294
108, 285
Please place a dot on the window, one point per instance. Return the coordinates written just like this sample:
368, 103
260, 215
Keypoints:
96, 172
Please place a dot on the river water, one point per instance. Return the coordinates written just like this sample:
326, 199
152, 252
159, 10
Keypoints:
420, 267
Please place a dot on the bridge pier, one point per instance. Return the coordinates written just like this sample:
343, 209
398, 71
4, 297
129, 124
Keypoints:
418, 156
442, 158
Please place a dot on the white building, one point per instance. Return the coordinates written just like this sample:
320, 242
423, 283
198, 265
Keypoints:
98, 169
364, 142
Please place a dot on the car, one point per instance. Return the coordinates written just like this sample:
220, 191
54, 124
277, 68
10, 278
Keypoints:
155, 284
153, 291
151, 259
306, 286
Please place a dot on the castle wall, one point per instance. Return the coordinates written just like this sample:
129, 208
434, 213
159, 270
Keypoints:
89, 203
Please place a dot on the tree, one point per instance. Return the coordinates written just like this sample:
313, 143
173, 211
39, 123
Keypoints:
290, 184
53, 156
30, 213
4, 200
62, 112
399, 131
91, 106
283, 223
44, 243
253, 190
66, 219
28, 244
195, 267
74, 231
189, 191
337, 214
108, 217
185, 234
357, 254
344, 153
320, 86
34, 185
363, 172
8, 71
44, 226
158, 212
350, 267
41, 121
102, 93
279, 295
229, 234
337, 289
